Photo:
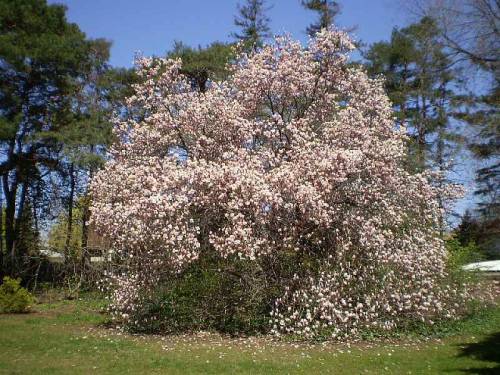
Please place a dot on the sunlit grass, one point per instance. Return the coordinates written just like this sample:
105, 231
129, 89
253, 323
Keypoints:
70, 337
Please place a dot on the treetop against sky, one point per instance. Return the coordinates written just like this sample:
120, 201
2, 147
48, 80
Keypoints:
152, 26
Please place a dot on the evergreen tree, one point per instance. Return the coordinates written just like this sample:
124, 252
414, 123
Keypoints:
29, 236
421, 83
484, 233
485, 117
27, 245
45, 64
84, 144
468, 229
202, 65
253, 22
469, 31
101, 101
482, 115
327, 11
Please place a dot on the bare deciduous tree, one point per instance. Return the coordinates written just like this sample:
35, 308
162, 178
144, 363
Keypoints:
470, 28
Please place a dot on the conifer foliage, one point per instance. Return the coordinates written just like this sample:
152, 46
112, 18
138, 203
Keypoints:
253, 22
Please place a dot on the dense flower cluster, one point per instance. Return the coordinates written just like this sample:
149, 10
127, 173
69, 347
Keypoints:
295, 154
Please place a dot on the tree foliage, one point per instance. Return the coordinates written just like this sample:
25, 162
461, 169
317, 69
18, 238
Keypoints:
424, 87
292, 167
470, 31
203, 65
253, 22
469, 28
485, 233
421, 84
327, 10
14, 298
56, 93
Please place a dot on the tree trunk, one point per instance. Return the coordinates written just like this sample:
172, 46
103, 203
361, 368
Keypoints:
70, 207
85, 218
1, 235
20, 211
10, 213
441, 167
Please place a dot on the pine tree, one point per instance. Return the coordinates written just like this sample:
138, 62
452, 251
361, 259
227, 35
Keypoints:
421, 83
467, 230
486, 147
484, 233
483, 116
469, 31
45, 65
327, 11
28, 243
202, 65
253, 22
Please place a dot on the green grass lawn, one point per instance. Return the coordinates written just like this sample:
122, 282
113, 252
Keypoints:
68, 338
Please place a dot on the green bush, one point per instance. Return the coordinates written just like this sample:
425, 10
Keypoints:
460, 255
212, 294
13, 297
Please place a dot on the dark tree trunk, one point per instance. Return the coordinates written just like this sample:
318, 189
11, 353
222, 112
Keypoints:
86, 217
1, 235
10, 213
70, 206
85, 227
20, 212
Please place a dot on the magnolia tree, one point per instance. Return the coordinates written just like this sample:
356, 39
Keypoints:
295, 156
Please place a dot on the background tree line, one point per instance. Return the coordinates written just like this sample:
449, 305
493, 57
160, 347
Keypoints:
451, 119
58, 96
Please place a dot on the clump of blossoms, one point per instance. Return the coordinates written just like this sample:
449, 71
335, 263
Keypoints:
295, 156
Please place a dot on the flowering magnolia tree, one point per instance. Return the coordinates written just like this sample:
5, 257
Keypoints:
294, 159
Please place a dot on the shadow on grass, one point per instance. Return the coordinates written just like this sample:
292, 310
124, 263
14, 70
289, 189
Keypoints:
487, 350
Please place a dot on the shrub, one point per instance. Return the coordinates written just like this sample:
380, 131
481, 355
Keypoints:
227, 295
459, 254
290, 169
13, 297
468, 280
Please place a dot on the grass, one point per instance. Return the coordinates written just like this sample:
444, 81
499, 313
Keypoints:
68, 337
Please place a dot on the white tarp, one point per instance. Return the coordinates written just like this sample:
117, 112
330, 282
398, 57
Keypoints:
490, 266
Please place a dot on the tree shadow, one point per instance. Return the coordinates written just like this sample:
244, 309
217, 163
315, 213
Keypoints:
487, 350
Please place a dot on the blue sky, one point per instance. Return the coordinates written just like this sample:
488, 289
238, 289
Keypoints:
151, 26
